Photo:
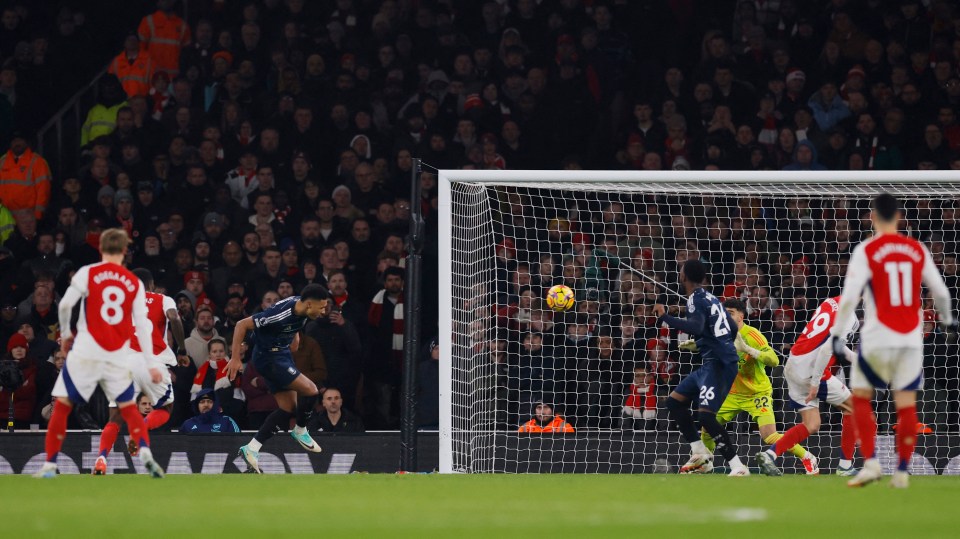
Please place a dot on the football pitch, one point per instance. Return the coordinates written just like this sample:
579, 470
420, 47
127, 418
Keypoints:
237, 506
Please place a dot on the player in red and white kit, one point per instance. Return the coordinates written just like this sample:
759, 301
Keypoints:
161, 309
809, 380
113, 303
886, 271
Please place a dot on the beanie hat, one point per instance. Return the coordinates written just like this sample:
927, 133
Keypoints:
16, 340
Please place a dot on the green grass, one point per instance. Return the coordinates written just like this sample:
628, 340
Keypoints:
491, 506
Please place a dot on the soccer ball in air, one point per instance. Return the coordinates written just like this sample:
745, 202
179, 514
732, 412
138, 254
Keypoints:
560, 298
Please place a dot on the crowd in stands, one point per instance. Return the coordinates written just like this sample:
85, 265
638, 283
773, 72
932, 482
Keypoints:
253, 147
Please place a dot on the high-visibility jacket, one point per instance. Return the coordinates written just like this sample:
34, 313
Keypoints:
134, 76
557, 425
101, 120
7, 223
163, 36
25, 182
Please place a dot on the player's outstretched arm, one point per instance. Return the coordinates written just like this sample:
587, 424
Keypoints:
759, 349
693, 324
236, 356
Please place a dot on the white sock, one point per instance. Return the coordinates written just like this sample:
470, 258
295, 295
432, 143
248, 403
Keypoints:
770, 452
300, 430
254, 445
735, 463
698, 448
844, 463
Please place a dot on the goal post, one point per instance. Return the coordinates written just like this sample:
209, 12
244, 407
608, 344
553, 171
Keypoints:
778, 241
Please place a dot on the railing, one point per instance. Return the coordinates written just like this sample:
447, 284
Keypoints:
58, 141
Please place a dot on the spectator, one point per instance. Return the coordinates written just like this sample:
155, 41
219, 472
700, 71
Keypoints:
198, 341
385, 319
25, 395
333, 417
640, 403
544, 421
133, 67
24, 178
164, 34
208, 417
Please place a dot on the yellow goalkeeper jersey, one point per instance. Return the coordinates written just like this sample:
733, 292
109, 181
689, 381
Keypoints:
752, 378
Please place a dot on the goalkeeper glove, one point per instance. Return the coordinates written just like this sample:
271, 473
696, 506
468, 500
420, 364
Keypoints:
839, 347
744, 348
689, 345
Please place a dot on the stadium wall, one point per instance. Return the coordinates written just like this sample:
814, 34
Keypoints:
217, 453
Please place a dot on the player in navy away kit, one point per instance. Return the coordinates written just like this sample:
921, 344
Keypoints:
709, 322
275, 336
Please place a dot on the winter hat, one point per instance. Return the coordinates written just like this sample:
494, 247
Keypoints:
16, 340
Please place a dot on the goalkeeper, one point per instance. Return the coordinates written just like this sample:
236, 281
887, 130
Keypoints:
752, 391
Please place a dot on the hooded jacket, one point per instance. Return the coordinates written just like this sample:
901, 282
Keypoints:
212, 421
814, 162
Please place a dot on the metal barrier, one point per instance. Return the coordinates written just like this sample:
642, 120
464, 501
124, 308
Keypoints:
58, 141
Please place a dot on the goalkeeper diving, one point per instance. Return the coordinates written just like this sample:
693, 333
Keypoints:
752, 391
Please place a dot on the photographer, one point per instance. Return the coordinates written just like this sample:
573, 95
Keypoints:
18, 374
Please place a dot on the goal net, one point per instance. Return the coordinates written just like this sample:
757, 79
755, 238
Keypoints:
778, 241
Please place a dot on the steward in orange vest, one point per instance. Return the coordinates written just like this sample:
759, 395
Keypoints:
134, 67
163, 34
545, 421
24, 178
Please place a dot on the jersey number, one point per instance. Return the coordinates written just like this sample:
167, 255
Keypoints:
722, 327
112, 309
706, 393
819, 324
900, 278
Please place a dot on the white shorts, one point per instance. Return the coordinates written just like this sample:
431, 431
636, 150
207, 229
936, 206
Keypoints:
832, 390
888, 368
80, 377
160, 394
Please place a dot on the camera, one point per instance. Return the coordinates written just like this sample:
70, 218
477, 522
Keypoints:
11, 377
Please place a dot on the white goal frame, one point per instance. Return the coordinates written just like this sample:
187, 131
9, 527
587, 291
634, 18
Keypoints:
445, 178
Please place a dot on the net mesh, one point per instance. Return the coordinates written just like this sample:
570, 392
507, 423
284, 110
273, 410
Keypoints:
605, 367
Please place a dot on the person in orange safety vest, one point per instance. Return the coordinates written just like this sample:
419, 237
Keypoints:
134, 67
163, 34
24, 178
545, 421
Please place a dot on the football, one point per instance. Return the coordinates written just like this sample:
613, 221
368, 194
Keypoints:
560, 298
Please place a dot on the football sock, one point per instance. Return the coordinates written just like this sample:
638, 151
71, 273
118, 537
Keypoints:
719, 434
305, 407
157, 418
792, 437
707, 441
254, 445
108, 437
866, 425
278, 419
136, 425
906, 435
56, 429
735, 462
797, 450
680, 414
844, 463
848, 439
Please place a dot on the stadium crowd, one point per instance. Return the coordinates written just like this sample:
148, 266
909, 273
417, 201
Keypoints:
252, 151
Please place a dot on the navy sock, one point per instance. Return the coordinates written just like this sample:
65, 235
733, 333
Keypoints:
683, 418
280, 418
305, 407
725, 447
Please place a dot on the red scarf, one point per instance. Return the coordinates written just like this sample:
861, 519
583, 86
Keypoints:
221, 382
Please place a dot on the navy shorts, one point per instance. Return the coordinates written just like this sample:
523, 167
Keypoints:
277, 368
709, 385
